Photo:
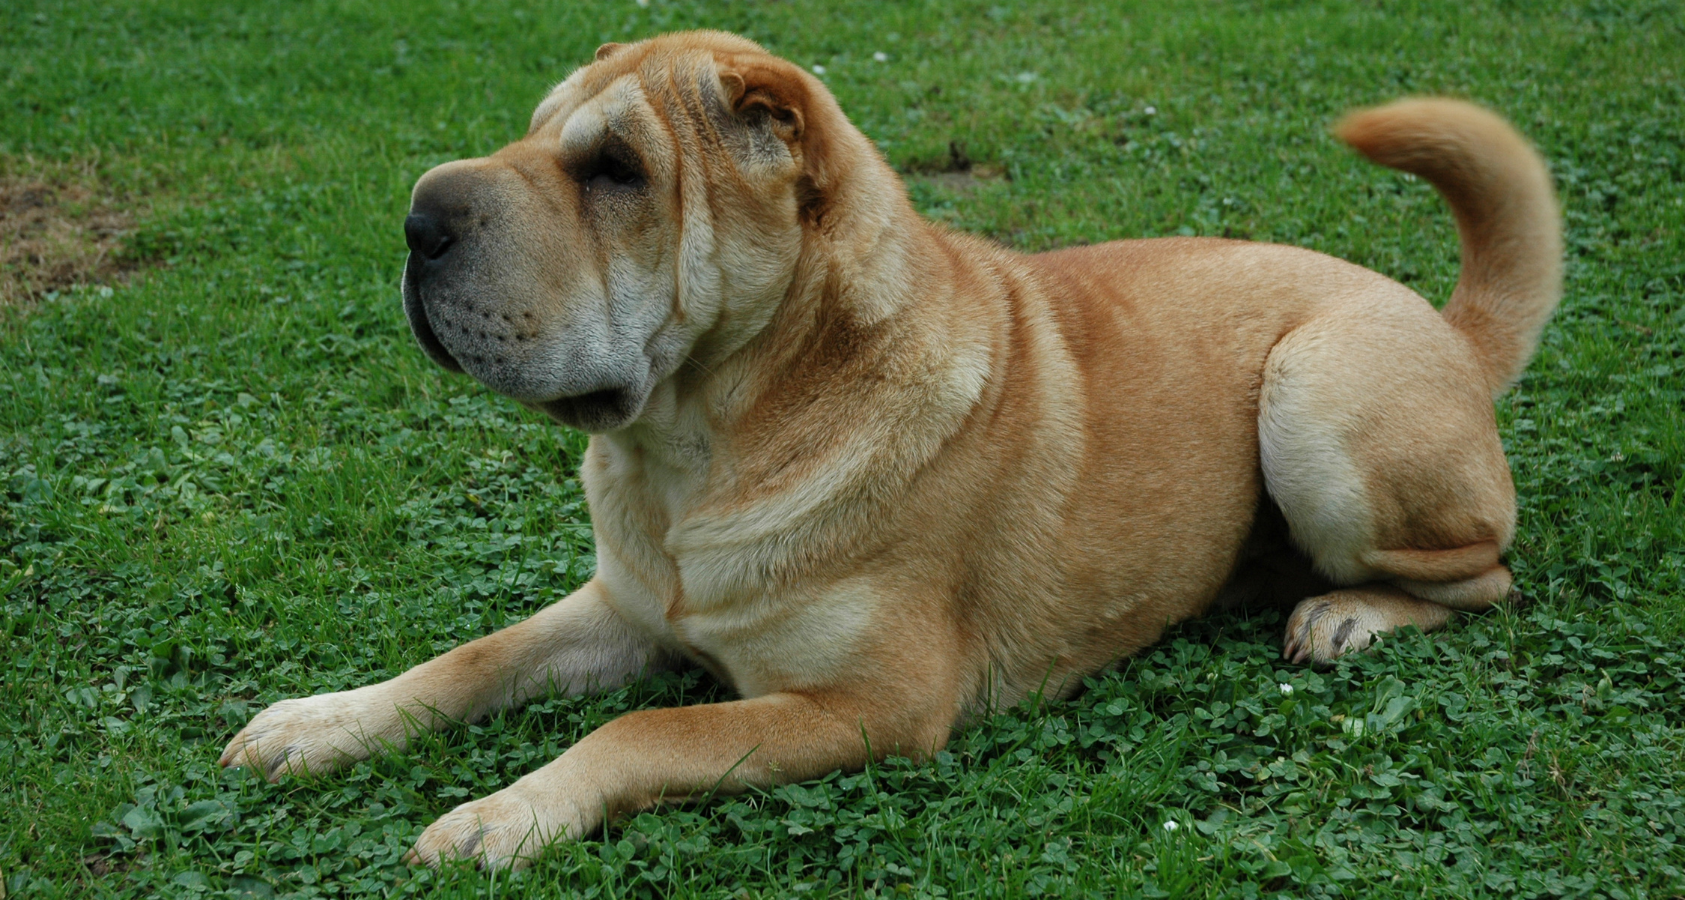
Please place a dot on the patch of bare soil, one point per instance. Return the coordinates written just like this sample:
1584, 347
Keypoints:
957, 174
961, 183
60, 226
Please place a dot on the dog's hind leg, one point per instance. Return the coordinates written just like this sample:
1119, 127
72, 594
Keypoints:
1378, 442
1375, 420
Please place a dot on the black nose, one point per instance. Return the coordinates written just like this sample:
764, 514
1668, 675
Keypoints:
426, 235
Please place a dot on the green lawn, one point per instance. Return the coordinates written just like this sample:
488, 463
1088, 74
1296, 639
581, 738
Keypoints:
233, 478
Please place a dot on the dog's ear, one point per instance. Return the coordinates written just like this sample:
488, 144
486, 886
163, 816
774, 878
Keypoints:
764, 92
607, 50
775, 95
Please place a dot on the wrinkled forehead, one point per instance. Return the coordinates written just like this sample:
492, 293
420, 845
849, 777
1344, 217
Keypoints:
637, 103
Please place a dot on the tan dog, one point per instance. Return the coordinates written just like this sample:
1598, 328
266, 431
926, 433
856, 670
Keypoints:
878, 476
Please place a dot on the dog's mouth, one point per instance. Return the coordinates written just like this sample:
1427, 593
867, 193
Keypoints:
597, 411
416, 312
600, 410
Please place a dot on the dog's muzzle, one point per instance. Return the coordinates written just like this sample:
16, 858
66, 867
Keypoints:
458, 285
481, 300
419, 326
431, 232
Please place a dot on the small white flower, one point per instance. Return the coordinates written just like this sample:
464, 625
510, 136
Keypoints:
1026, 77
643, 2
1151, 110
1171, 825
881, 56
1286, 689
818, 70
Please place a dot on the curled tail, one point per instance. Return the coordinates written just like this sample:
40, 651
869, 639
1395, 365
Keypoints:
1500, 192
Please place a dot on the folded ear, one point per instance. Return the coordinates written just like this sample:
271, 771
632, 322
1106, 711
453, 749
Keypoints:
607, 50
776, 95
763, 91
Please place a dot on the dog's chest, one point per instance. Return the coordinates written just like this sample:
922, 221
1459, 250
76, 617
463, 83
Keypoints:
705, 591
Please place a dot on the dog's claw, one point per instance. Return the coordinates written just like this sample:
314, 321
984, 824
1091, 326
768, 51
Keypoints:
1299, 643
279, 763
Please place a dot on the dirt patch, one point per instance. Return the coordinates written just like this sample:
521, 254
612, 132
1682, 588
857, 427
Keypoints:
60, 225
957, 173
960, 182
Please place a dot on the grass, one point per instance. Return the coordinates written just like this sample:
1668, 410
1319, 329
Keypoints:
233, 479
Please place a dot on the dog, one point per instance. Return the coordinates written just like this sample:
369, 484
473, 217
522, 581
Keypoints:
880, 477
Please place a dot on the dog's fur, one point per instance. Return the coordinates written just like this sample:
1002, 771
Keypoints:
878, 476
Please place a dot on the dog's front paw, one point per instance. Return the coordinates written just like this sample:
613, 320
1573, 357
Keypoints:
311, 735
505, 830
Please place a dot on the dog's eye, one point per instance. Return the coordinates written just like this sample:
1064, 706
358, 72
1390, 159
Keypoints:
610, 171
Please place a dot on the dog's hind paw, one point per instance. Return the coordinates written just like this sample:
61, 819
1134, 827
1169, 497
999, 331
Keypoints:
1324, 628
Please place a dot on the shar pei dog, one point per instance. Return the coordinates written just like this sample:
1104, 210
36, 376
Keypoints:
878, 477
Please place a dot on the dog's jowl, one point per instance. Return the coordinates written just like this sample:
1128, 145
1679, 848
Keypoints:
875, 475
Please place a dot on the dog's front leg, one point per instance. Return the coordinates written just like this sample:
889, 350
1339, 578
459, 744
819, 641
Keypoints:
676, 754
575, 645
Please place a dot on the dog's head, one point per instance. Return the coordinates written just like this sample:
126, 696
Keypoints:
654, 213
